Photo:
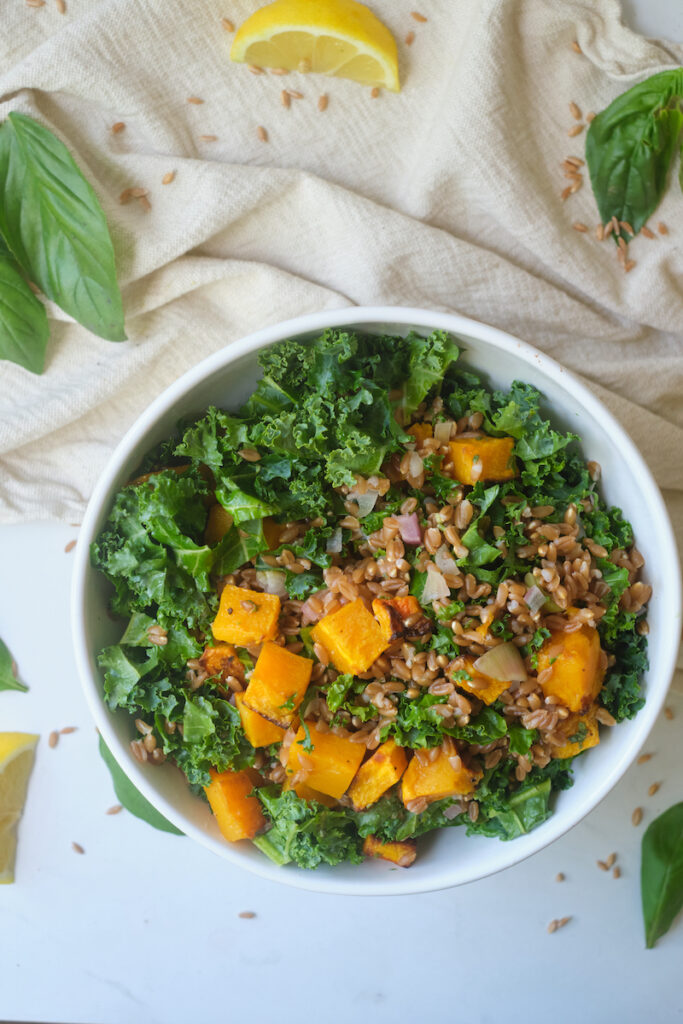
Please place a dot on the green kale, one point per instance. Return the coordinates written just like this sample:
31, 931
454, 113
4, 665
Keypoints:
306, 833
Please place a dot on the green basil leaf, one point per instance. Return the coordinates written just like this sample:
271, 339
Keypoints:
8, 679
131, 798
630, 145
24, 329
53, 223
661, 873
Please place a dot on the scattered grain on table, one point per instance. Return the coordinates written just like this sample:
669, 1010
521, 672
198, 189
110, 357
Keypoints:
61, 6
669, 713
208, 138
653, 788
590, 116
575, 130
560, 876
255, 69
323, 102
118, 127
145, 203
602, 865
644, 758
418, 17
262, 133
115, 809
246, 914
609, 861
575, 111
575, 47
285, 99
227, 25
410, 39
68, 729
196, 100
578, 226
637, 816
557, 923
168, 178
53, 739
374, 92
662, 228
616, 872
77, 848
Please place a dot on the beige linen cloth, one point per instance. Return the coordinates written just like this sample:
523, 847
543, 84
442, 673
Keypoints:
445, 196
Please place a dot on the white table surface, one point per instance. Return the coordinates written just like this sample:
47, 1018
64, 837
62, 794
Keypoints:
144, 927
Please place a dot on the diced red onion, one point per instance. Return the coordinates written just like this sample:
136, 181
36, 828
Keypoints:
442, 431
334, 542
410, 530
445, 561
503, 662
366, 502
272, 581
535, 599
435, 585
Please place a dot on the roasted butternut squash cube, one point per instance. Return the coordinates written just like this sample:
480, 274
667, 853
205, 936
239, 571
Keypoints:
391, 613
246, 616
376, 775
237, 811
221, 660
482, 458
352, 637
586, 730
306, 793
330, 765
218, 522
486, 689
439, 778
420, 431
278, 683
258, 730
402, 854
575, 665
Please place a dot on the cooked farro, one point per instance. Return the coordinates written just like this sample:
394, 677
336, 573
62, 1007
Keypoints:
432, 585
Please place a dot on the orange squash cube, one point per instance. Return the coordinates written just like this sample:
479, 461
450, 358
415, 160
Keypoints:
392, 612
237, 811
246, 616
218, 522
574, 661
332, 763
437, 779
278, 683
573, 727
486, 689
258, 730
403, 853
482, 458
221, 660
376, 775
352, 637
420, 431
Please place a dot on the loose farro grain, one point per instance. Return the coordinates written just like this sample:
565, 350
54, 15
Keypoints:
77, 848
69, 547
637, 816
262, 133
53, 738
119, 126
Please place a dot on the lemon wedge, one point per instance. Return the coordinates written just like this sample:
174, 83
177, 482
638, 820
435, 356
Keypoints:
331, 37
16, 761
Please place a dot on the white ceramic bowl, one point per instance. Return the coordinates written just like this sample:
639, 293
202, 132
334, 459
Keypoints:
450, 857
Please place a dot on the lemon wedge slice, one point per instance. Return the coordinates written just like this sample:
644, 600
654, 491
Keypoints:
331, 37
16, 761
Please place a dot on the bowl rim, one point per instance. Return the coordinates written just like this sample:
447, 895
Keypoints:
399, 317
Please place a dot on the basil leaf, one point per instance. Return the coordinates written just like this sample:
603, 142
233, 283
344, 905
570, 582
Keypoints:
131, 798
24, 329
8, 679
661, 873
53, 223
630, 145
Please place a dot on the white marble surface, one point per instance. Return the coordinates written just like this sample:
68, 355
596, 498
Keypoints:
144, 927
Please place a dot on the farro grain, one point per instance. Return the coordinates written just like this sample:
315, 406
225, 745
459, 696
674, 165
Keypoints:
616, 872
53, 738
67, 730
552, 927
590, 117
669, 713
323, 102
410, 38
374, 92
662, 228
637, 816
646, 231
576, 130
417, 16
575, 47
168, 178
609, 861
114, 809
295, 94
208, 138
69, 547
653, 788
246, 915
579, 226
602, 865
560, 876
575, 111
77, 848
255, 69
61, 6
600, 232
195, 100
644, 758
227, 25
